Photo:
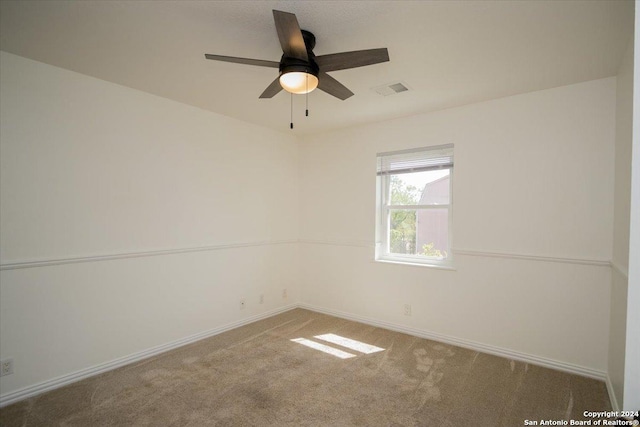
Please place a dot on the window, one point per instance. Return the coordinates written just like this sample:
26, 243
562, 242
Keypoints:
414, 206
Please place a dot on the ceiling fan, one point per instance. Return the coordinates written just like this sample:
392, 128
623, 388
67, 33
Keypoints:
300, 70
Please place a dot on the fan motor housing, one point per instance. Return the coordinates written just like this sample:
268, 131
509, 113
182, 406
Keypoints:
309, 40
290, 65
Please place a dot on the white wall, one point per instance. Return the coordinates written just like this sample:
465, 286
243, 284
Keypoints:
532, 182
624, 340
622, 193
97, 172
632, 351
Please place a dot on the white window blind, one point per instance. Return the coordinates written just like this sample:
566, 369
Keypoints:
420, 160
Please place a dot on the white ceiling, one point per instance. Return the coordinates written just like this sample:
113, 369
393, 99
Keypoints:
449, 53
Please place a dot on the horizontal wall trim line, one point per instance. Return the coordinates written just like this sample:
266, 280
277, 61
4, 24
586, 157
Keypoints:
73, 377
335, 242
471, 345
469, 252
108, 257
621, 270
354, 243
527, 257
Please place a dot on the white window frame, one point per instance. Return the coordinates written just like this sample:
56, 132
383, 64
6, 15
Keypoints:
383, 208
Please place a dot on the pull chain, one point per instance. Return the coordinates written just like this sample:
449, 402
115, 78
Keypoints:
291, 124
306, 113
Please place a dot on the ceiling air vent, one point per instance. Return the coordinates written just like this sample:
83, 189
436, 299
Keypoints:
391, 89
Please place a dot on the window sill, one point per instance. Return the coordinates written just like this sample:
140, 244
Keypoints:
416, 264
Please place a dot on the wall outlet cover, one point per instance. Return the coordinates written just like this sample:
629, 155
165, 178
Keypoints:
407, 309
6, 367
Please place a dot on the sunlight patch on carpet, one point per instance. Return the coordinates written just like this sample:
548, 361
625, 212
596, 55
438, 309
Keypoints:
349, 343
324, 348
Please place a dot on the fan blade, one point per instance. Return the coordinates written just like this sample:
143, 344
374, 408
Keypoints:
272, 89
332, 86
357, 58
290, 35
247, 61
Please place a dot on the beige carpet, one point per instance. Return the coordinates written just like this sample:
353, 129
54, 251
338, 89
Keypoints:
257, 376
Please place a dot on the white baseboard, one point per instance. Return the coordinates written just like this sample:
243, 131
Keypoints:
64, 380
30, 391
471, 345
612, 395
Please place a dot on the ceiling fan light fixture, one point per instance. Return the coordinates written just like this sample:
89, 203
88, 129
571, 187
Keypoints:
300, 68
298, 82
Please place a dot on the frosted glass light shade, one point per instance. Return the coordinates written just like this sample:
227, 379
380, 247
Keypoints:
298, 82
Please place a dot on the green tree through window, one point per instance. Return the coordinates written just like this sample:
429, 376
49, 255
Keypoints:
403, 222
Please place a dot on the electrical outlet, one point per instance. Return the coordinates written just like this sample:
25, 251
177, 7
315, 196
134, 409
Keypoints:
284, 293
407, 309
242, 303
6, 367
261, 298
